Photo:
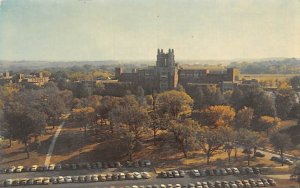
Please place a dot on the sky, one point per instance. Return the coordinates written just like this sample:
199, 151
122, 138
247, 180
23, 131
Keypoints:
79, 30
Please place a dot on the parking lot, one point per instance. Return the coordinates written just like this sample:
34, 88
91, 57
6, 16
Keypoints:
131, 177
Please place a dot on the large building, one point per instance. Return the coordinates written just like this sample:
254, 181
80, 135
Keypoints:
167, 74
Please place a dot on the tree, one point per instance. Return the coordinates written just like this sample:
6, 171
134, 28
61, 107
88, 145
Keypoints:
174, 103
237, 99
229, 138
84, 115
243, 118
284, 102
23, 116
295, 82
281, 142
130, 115
129, 140
185, 134
266, 123
250, 141
210, 142
157, 122
217, 116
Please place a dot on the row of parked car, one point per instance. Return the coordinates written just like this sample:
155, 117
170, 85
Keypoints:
78, 179
95, 165
285, 160
225, 171
217, 184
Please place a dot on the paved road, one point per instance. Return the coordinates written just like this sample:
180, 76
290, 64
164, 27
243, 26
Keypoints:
51, 147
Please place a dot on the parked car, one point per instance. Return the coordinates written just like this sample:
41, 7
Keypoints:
51, 167
223, 171
19, 169
122, 176
75, 179
34, 168
218, 184
272, 182
16, 182
58, 167
81, 179
170, 174
239, 183
129, 176
196, 173
118, 164
46, 181
252, 182
233, 184
176, 174
202, 172
288, 161
54, 180
95, 178
275, 158
225, 184
61, 179
210, 172
24, 181
249, 170
73, 166
39, 180
246, 183
8, 182
68, 179
108, 177
181, 173
11, 169
88, 178
163, 174
235, 171
102, 177
145, 175
137, 175
256, 170
259, 154
265, 181
259, 183
147, 162
229, 171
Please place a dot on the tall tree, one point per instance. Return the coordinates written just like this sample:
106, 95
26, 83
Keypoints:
85, 116
284, 102
185, 133
229, 138
174, 103
210, 142
243, 118
266, 123
217, 116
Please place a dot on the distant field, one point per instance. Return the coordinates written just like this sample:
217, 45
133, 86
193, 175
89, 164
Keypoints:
261, 77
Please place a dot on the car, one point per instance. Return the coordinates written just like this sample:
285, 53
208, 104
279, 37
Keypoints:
246, 183
95, 178
191, 185
243, 170
122, 176
58, 167
39, 180
109, 177
137, 175
225, 184
196, 173
177, 185
118, 164
135, 186
33, 168
24, 181
163, 174
61, 179
68, 179
233, 184
130, 176
8, 182
99, 164
256, 170
147, 162
66, 166
288, 161
236, 171
163, 186
16, 182
176, 174
88, 178
252, 182
249, 170
218, 184
272, 182
205, 184
26, 169
46, 181
75, 179
223, 172
11, 169
275, 158
239, 183
170, 174
54, 180
51, 167
102, 177
217, 172
181, 173
30, 182
155, 186
259, 183
259, 154
115, 177
145, 175
81, 179
211, 184
265, 181
19, 169
229, 171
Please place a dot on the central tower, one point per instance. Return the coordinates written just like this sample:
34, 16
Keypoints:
165, 59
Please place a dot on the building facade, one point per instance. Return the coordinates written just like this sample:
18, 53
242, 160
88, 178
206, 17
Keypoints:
167, 74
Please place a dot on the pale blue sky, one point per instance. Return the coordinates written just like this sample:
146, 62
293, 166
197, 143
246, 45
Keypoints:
134, 29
